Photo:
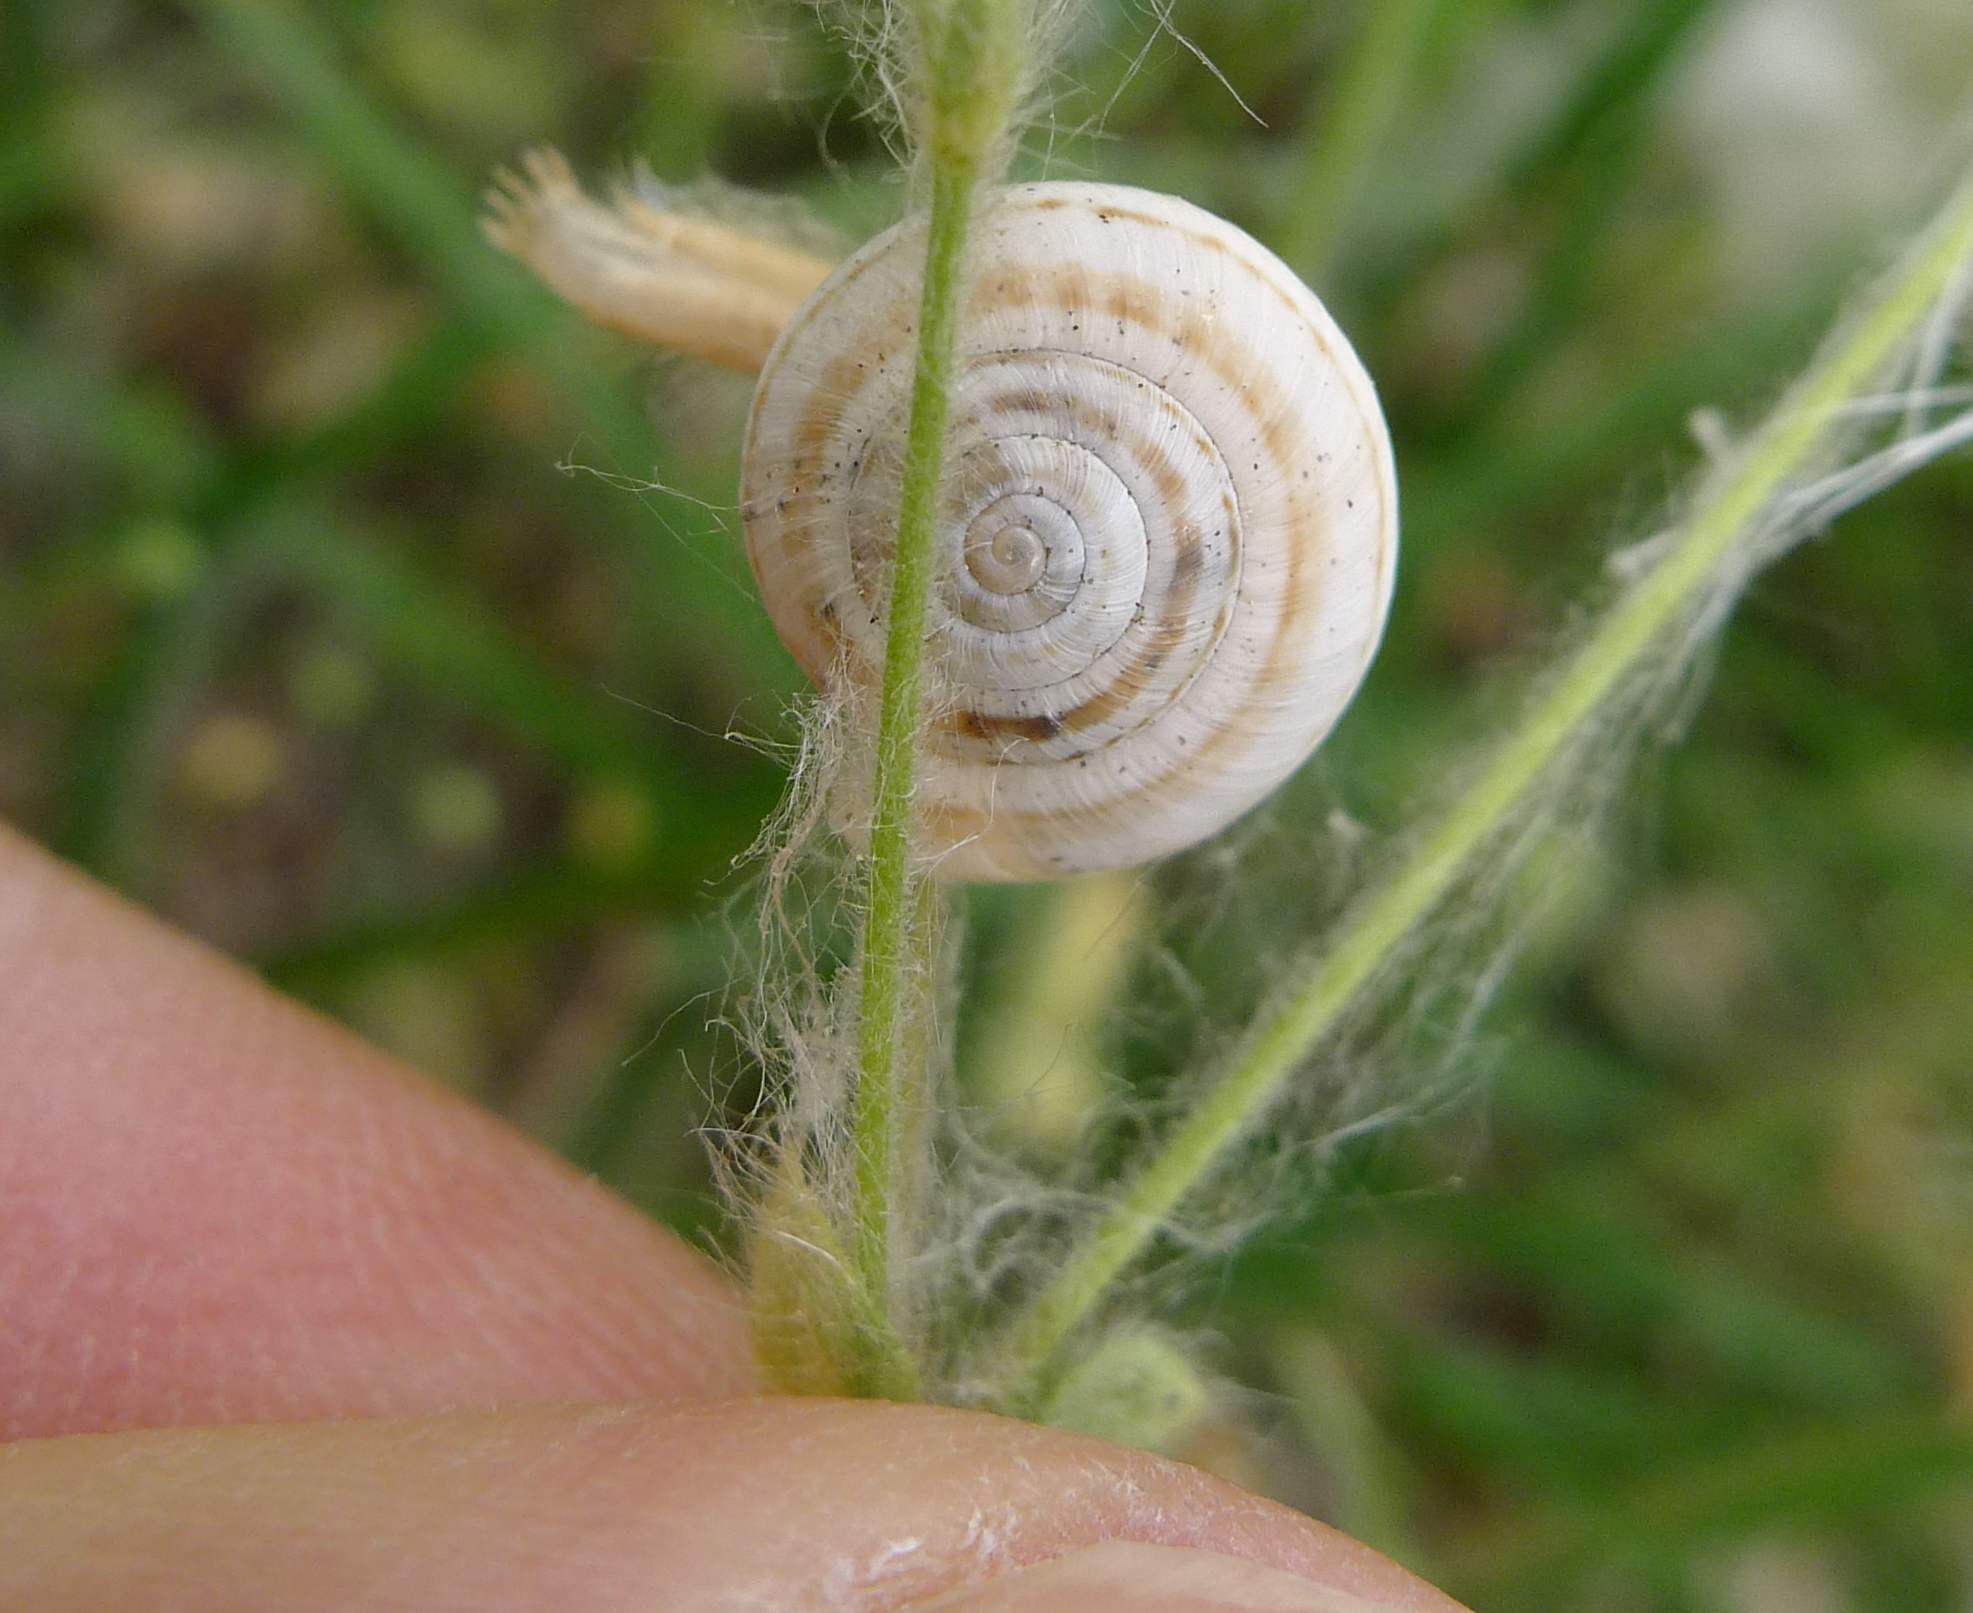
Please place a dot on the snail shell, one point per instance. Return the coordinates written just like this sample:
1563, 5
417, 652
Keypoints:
1168, 528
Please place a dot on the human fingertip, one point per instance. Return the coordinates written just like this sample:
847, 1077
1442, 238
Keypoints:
1131, 1577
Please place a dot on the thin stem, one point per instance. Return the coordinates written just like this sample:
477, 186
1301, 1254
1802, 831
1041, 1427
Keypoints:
891, 971
972, 53
1718, 533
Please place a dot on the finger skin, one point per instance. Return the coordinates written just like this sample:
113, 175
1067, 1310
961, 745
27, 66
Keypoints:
217, 1207
1126, 1574
795, 1505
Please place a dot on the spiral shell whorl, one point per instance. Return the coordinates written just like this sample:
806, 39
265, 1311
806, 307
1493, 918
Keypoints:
1168, 535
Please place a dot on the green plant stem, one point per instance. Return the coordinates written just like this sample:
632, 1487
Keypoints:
888, 925
1715, 536
891, 970
971, 52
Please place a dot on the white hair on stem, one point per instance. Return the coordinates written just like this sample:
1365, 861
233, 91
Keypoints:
887, 40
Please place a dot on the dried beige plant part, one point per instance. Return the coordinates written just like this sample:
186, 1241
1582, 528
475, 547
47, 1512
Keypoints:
673, 279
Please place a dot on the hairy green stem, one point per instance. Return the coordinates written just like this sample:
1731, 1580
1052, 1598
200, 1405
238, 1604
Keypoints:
1717, 537
972, 51
893, 967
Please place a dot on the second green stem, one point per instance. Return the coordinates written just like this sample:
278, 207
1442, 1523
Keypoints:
1720, 535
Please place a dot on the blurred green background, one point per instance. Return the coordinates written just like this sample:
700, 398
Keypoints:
341, 622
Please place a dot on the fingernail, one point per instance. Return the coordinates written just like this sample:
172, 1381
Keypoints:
1124, 1577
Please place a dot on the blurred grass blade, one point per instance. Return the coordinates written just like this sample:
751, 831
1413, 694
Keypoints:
1358, 110
435, 216
1608, 106
1581, 174
452, 646
538, 902
444, 641
1590, 1247
1503, 468
1797, 1480
1625, 75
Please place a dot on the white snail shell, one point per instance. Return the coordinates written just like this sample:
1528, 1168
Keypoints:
1169, 523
